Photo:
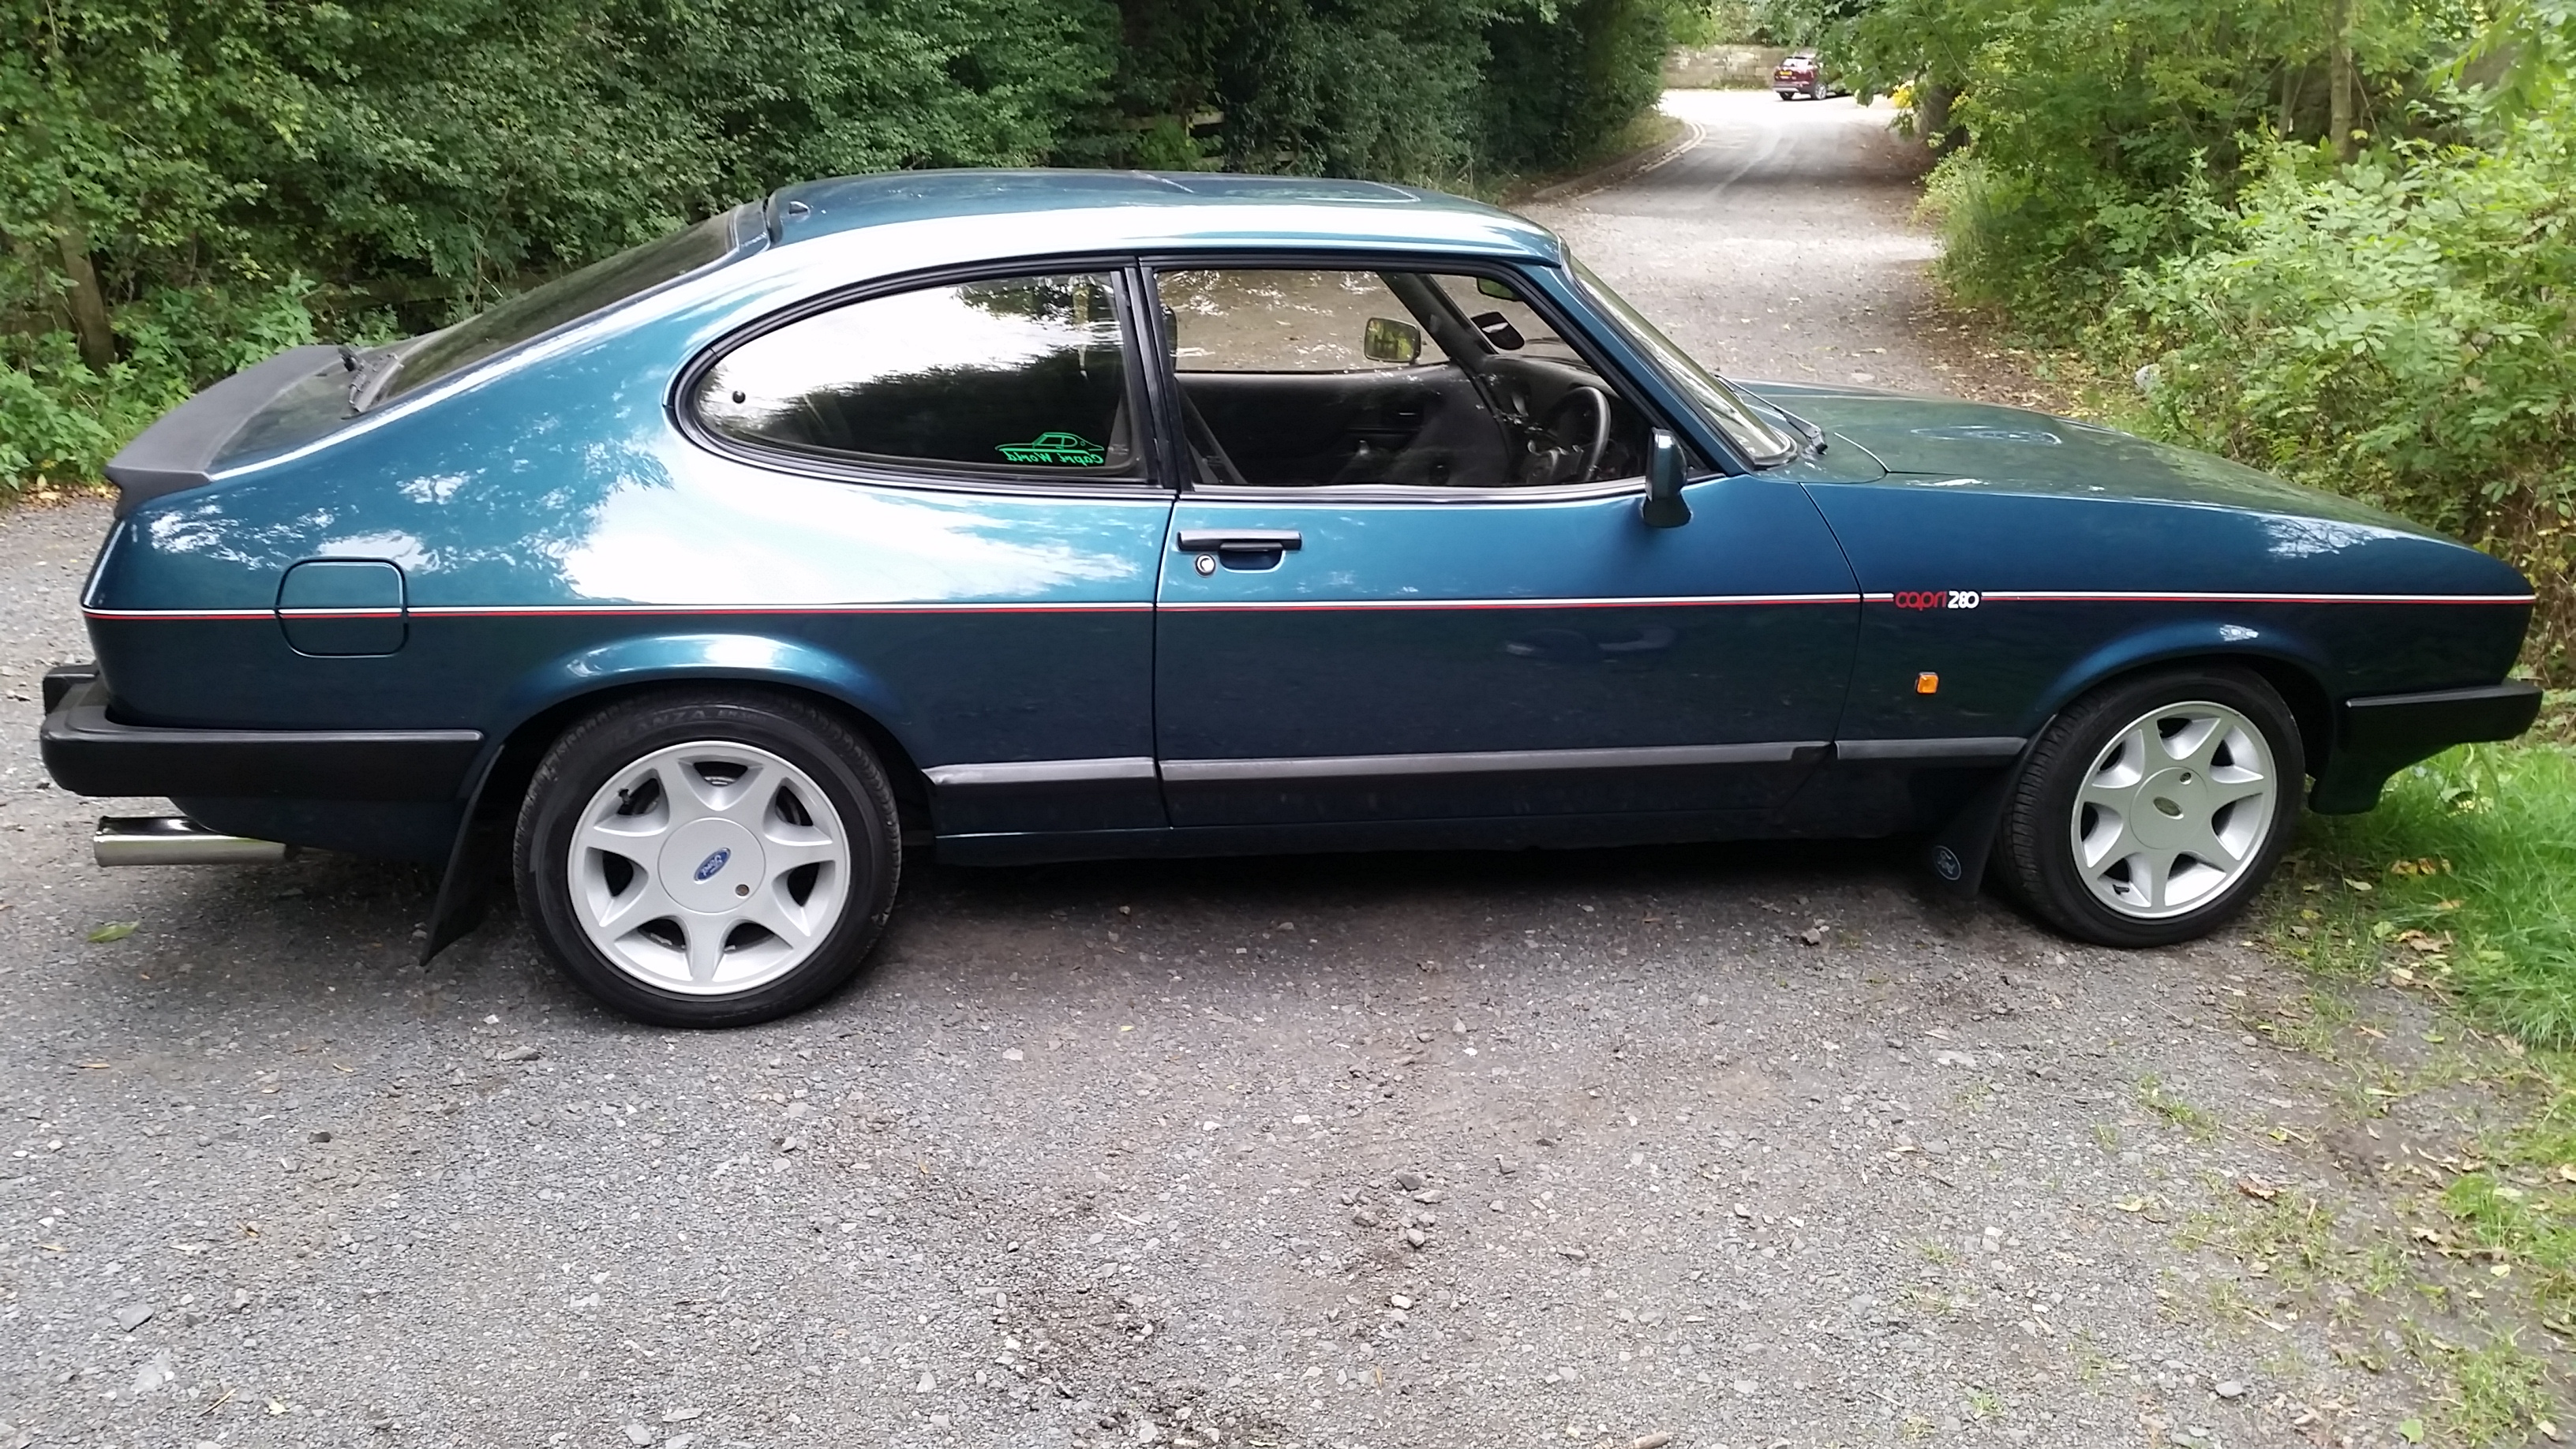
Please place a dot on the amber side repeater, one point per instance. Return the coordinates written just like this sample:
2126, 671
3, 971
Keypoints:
1927, 683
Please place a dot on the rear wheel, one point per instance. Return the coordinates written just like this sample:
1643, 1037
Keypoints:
709, 858
2153, 809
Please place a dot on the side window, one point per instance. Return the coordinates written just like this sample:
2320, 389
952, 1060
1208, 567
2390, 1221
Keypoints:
1506, 322
1284, 321
1311, 378
1016, 375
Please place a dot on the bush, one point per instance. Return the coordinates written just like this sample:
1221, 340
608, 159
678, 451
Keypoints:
2397, 330
161, 171
61, 420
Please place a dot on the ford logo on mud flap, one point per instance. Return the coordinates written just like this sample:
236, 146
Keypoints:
708, 867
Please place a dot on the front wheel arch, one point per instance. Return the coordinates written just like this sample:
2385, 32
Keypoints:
2287, 665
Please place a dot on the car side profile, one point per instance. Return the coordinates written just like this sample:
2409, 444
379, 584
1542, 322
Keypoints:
1026, 516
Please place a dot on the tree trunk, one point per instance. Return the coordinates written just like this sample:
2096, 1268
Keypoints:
90, 327
1932, 102
2339, 108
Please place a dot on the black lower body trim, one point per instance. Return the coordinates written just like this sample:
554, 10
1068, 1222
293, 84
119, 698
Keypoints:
2378, 735
88, 753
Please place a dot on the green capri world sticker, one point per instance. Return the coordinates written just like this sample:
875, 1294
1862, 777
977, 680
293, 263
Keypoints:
1063, 449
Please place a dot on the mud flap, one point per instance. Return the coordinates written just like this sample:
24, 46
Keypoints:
1958, 851
473, 867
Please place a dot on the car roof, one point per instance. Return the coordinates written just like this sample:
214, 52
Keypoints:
1150, 209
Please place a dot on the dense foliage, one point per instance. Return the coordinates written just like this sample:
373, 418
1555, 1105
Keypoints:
2398, 329
2361, 284
185, 187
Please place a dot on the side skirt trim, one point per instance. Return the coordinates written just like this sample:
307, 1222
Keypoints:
1482, 762
1927, 751
1040, 772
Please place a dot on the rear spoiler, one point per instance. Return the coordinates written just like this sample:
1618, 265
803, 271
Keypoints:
180, 450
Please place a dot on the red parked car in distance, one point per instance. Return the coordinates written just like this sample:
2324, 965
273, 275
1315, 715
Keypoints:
1802, 74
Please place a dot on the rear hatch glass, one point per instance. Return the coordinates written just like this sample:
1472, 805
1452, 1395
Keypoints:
568, 298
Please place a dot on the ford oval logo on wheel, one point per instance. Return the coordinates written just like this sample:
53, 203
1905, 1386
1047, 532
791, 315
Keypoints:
708, 867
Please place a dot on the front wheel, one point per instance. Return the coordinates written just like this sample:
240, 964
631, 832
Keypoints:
2153, 809
709, 858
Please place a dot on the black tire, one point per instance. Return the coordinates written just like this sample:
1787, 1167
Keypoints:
813, 739
2038, 844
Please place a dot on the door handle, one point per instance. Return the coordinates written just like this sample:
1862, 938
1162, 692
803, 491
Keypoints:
1239, 540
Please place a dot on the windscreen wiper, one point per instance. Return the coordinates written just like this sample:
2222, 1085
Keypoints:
364, 372
1815, 435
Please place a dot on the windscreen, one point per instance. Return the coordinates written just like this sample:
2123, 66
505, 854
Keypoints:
1718, 399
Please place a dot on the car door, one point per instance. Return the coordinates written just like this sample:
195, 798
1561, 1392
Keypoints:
1411, 581
946, 484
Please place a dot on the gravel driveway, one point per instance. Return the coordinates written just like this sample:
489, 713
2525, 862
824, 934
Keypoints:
1751, 1147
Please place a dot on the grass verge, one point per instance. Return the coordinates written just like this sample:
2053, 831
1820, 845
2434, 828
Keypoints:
1649, 132
2460, 887
2463, 882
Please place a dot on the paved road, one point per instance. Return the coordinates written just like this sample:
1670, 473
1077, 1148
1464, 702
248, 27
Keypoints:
1756, 1147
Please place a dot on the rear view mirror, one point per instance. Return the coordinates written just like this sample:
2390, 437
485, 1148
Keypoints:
1388, 340
1664, 478
1498, 330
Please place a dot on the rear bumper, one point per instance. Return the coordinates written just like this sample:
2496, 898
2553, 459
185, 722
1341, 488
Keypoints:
88, 753
2378, 735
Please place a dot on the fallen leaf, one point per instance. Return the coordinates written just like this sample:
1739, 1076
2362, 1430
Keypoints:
113, 931
2255, 1187
2359, 885
2411, 1430
2131, 1204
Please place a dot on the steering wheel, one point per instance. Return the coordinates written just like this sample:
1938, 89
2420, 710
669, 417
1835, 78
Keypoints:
1586, 443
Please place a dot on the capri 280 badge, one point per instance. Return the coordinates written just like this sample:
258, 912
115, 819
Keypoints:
1938, 599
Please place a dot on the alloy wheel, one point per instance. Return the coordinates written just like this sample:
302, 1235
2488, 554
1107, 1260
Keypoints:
2173, 810
709, 868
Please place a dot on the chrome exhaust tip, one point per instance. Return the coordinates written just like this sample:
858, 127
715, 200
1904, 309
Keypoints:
177, 840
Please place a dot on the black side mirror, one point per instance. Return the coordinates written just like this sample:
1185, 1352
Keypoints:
1664, 506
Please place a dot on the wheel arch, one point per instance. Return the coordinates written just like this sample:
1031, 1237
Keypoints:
576, 686
550, 699
2294, 669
